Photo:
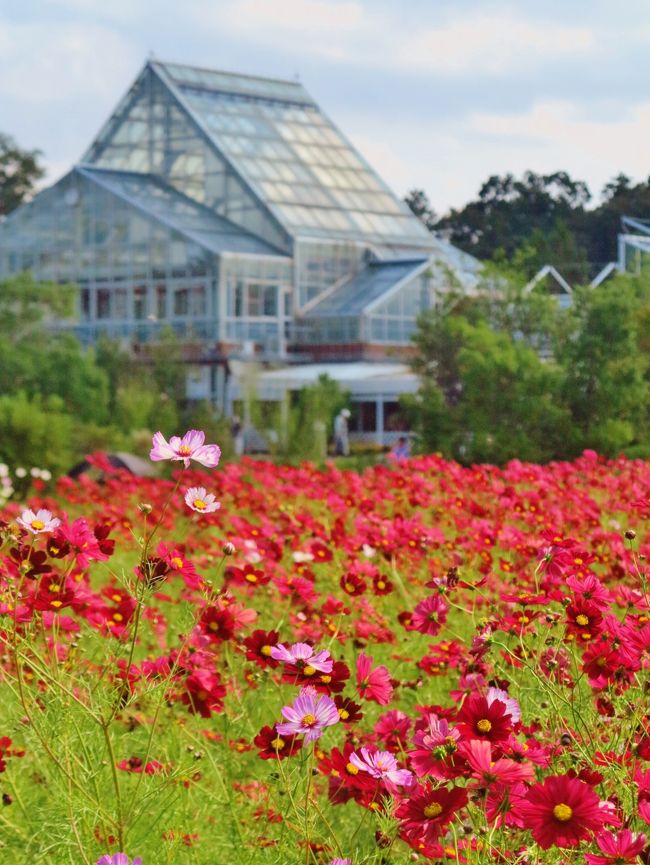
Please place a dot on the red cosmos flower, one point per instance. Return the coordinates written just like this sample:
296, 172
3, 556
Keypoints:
381, 585
349, 711
259, 645
618, 849
346, 781
427, 811
373, 684
32, 563
352, 584
53, 594
561, 812
481, 719
320, 552
273, 746
429, 616
137, 767
203, 693
584, 619
217, 624
248, 576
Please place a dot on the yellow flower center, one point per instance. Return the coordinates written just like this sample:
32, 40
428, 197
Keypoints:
117, 617
57, 604
185, 450
309, 670
434, 809
308, 720
343, 714
278, 744
251, 578
381, 584
266, 650
563, 812
37, 525
199, 504
351, 769
117, 598
582, 620
349, 587
483, 726
177, 562
55, 588
326, 679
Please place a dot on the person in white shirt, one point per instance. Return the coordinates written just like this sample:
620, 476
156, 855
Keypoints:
341, 437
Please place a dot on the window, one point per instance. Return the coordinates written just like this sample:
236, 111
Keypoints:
103, 303
139, 302
181, 301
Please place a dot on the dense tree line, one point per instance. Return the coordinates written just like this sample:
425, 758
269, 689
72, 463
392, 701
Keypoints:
550, 215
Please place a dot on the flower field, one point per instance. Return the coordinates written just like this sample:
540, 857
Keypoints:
251, 663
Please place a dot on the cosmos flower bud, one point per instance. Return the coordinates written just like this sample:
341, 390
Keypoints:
145, 507
229, 549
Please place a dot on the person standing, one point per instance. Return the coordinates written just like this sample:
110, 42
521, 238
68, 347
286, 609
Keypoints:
237, 433
341, 434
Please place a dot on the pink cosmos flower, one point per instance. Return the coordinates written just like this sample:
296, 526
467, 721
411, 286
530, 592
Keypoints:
38, 523
429, 615
381, 765
118, 859
338, 861
617, 849
310, 714
373, 684
190, 447
478, 754
302, 655
199, 499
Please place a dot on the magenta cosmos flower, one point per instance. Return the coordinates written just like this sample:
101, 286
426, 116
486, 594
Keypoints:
310, 714
39, 522
381, 765
199, 499
118, 859
303, 656
190, 447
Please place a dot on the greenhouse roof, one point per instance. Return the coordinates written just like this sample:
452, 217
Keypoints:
375, 280
292, 156
162, 202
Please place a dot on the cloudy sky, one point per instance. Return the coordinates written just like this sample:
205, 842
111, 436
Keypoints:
437, 94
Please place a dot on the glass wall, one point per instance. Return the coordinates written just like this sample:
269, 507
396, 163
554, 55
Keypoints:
256, 294
394, 319
319, 265
135, 276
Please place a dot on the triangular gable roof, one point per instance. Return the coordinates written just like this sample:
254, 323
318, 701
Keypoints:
292, 157
160, 201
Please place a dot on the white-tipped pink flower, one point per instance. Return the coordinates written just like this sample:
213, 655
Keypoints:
302, 655
38, 523
381, 765
512, 706
200, 500
190, 447
310, 714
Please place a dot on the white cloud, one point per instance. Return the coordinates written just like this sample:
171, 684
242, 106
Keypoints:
368, 36
62, 62
492, 44
292, 16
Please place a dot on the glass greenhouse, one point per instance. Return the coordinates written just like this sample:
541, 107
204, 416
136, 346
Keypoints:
231, 209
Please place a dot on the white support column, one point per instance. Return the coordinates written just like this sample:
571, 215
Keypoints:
380, 420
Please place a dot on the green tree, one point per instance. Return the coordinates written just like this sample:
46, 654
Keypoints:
19, 171
606, 385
